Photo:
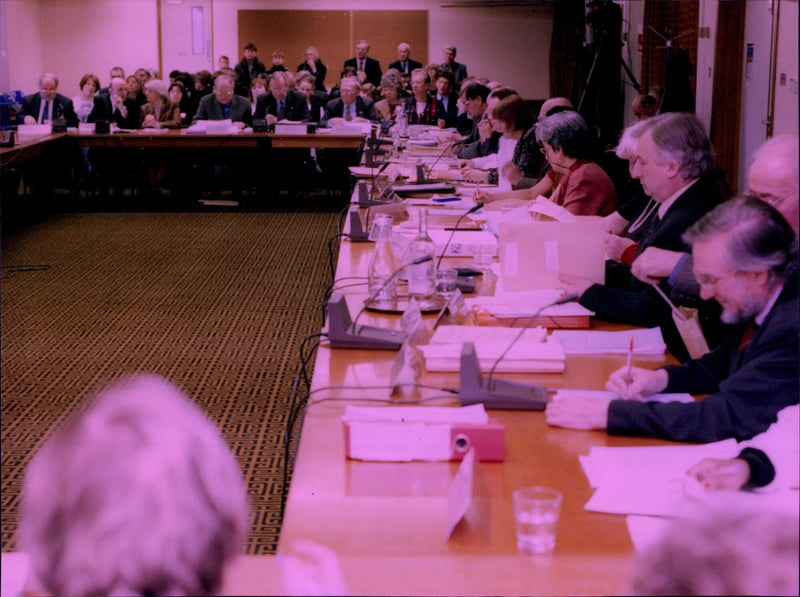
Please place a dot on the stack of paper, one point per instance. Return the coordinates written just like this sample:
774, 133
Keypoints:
463, 243
645, 341
528, 355
515, 308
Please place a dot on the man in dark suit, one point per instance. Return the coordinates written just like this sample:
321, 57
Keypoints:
674, 166
448, 99
223, 104
115, 72
349, 107
362, 62
248, 69
451, 66
116, 107
745, 258
404, 64
281, 103
47, 105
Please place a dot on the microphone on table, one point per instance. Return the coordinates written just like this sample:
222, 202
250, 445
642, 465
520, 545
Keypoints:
344, 333
421, 178
450, 238
501, 394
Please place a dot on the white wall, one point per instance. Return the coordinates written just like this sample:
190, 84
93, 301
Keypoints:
74, 37
786, 97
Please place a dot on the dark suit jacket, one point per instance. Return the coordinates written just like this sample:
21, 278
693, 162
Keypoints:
335, 109
412, 64
459, 71
322, 70
62, 108
243, 77
103, 110
746, 391
473, 147
625, 299
372, 67
211, 109
451, 112
294, 105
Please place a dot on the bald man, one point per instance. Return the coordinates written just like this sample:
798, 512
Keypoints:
404, 64
773, 178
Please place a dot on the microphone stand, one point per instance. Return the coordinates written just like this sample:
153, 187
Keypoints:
500, 394
450, 238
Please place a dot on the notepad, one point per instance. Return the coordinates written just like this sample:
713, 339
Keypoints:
645, 341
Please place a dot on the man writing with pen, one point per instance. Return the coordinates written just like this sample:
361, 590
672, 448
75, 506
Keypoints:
745, 258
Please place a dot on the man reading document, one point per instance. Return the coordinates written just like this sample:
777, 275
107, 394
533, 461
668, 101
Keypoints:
745, 257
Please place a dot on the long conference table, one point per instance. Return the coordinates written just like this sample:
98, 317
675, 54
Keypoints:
387, 521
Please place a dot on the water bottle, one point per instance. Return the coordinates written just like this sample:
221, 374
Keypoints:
382, 265
401, 118
421, 280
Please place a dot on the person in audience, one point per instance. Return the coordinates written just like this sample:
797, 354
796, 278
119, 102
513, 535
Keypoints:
314, 65
567, 143
203, 82
277, 63
47, 105
644, 106
249, 68
771, 459
368, 91
116, 107
223, 104
722, 553
480, 142
350, 106
745, 258
315, 102
773, 177
258, 87
135, 90
159, 111
178, 96
223, 62
143, 75
404, 63
550, 104
137, 495
386, 107
422, 108
458, 70
433, 72
116, 71
281, 103
84, 101
363, 63
448, 99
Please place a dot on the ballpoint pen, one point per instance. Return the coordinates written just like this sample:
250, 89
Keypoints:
629, 364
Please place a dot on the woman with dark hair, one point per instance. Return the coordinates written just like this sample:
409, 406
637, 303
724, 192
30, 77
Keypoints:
177, 95
84, 101
518, 157
135, 90
567, 143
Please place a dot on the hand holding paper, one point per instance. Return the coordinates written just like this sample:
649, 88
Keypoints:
643, 382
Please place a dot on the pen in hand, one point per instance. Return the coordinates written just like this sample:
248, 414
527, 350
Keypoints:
629, 364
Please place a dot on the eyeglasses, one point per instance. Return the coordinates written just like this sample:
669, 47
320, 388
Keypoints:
711, 282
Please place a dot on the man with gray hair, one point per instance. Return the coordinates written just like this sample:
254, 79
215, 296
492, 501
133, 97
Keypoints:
773, 177
451, 66
673, 163
745, 258
47, 105
404, 64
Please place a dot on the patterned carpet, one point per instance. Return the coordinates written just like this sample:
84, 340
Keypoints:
216, 302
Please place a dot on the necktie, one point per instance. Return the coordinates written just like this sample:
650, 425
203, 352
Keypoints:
348, 115
46, 112
405, 67
361, 64
745, 341
281, 111
227, 110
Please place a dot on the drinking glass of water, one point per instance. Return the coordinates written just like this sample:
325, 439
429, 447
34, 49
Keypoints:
536, 512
